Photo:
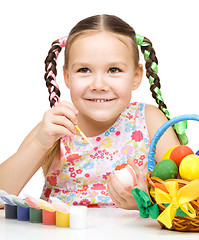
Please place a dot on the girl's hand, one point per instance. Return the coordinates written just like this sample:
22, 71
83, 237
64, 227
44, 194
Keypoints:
57, 121
121, 194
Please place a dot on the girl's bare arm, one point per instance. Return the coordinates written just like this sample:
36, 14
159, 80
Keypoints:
17, 170
155, 119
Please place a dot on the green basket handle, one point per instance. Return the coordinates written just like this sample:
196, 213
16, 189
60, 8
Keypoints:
160, 132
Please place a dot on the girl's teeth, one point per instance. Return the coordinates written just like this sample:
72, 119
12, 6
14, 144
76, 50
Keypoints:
100, 100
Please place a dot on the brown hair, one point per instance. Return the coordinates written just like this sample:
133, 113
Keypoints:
91, 25
101, 23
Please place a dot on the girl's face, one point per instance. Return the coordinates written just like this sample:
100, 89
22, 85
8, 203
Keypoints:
101, 75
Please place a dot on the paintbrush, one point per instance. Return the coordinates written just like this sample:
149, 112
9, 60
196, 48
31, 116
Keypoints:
83, 135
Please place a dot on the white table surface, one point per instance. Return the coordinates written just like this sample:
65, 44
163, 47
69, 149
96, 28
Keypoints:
106, 223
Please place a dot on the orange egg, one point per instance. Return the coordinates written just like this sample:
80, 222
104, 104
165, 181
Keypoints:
179, 153
168, 153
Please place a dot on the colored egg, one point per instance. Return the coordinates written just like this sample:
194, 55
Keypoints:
168, 153
165, 169
197, 153
179, 153
127, 176
189, 167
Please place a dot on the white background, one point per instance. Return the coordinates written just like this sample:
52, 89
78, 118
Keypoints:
27, 29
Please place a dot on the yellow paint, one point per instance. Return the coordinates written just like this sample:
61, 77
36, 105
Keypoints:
62, 219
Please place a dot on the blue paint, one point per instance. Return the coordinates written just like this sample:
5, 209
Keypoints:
23, 213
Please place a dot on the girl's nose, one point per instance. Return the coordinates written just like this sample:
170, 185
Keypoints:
99, 83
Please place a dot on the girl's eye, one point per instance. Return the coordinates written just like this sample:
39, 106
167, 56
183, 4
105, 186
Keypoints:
84, 70
114, 70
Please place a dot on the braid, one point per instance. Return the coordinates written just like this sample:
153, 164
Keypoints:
54, 97
51, 71
151, 72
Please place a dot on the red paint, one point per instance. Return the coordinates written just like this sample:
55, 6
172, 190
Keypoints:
49, 218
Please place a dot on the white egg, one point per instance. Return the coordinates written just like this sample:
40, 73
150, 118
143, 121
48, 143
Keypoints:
126, 176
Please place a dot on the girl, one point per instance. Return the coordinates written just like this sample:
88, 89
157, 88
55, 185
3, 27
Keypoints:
101, 70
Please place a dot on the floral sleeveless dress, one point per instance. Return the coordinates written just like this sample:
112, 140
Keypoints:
80, 178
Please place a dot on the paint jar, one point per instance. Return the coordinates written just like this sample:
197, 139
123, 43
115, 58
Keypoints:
48, 218
10, 211
35, 215
62, 219
23, 213
78, 217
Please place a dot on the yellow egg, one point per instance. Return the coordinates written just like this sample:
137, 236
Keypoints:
168, 153
189, 167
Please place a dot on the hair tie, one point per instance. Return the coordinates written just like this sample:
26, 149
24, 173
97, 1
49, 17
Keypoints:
62, 41
140, 40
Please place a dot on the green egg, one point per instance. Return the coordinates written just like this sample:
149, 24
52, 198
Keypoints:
165, 169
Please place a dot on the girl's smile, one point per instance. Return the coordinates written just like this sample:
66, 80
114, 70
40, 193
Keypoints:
99, 100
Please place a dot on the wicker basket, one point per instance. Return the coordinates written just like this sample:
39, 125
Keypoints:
179, 223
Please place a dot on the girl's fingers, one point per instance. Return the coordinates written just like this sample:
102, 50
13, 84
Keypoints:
64, 122
131, 162
62, 110
120, 194
69, 105
117, 203
141, 184
60, 131
63, 114
117, 189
